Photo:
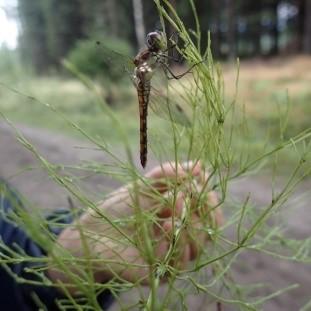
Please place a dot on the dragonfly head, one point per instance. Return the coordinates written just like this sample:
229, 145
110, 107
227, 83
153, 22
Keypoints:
156, 41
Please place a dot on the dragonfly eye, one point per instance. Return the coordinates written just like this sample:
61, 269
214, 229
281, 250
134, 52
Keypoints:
150, 40
154, 40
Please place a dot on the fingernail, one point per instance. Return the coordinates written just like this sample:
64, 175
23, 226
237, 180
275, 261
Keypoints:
187, 165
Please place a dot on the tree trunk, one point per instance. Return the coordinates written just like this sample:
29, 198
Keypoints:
231, 33
64, 27
275, 31
307, 28
300, 24
257, 28
139, 22
33, 41
111, 14
215, 31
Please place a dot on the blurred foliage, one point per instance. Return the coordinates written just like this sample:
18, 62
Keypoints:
90, 57
229, 140
48, 24
8, 61
263, 94
51, 28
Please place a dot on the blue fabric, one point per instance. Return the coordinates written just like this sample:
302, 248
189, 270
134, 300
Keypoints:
18, 296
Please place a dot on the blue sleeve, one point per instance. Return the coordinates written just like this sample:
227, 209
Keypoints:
19, 296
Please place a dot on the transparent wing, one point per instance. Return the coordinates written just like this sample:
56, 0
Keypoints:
167, 108
116, 60
165, 101
168, 100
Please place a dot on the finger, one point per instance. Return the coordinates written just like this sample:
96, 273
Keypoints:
163, 229
164, 223
216, 212
162, 174
204, 176
167, 227
180, 255
162, 249
207, 210
197, 237
186, 256
168, 169
212, 199
165, 212
218, 216
180, 204
193, 250
168, 211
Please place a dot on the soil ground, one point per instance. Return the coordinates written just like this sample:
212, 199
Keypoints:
252, 267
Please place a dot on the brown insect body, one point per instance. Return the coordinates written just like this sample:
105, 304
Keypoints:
142, 68
145, 63
143, 91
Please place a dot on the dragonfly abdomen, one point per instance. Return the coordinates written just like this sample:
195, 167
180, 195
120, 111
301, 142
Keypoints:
143, 91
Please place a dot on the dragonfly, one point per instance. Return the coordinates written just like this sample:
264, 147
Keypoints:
141, 70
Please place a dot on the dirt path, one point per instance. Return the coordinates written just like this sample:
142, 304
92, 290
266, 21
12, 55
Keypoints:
22, 169
251, 267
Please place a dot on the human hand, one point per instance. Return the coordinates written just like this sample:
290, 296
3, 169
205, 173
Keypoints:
146, 222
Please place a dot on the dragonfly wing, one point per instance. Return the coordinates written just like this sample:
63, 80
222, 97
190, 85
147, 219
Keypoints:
166, 101
116, 61
167, 108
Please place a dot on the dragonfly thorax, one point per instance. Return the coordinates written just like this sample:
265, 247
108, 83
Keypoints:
145, 64
143, 72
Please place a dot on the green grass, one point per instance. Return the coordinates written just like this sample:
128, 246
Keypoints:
68, 96
28, 101
264, 101
232, 135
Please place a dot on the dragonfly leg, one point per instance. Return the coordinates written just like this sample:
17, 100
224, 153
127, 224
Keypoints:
173, 58
175, 42
163, 54
173, 76
169, 57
